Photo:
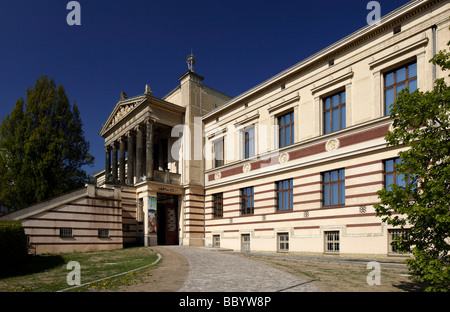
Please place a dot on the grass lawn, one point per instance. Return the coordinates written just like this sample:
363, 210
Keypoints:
48, 273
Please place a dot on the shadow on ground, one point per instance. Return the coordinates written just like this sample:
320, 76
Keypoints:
32, 264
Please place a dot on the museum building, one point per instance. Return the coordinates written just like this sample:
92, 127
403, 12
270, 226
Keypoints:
291, 165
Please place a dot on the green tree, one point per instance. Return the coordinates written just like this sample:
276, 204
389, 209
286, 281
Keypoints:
42, 147
421, 123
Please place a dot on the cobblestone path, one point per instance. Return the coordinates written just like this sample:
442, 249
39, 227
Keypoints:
220, 271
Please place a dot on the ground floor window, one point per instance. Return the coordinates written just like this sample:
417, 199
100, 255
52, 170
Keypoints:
283, 242
332, 242
245, 242
392, 234
65, 232
103, 233
216, 241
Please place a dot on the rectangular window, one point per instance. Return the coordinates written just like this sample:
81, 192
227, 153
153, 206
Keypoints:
333, 188
218, 153
391, 176
332, 242
397, 80
285, 196
247, 201
65, 232
245, 242
103, 233
286, 129
216, 241
218, 205
392, 234
249, 143
334, 112
283, 242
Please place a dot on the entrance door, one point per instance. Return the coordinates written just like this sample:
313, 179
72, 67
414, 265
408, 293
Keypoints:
171, 225
167, 216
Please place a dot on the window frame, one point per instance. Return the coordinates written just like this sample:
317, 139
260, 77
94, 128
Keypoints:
283, 244
65, 232
396, 83
341, 108
103, 233
282, 126
395, 176
324, 184
280, 195
333, 242
217, 201
248, 143
218, 162
396, 233
245, 198
245, 242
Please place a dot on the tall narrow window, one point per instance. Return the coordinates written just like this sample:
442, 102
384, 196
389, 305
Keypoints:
249, 143
284, 191
334, 112
283, 242
397, 80
218, 205
333, 188
218, 153
286, 129
247, 201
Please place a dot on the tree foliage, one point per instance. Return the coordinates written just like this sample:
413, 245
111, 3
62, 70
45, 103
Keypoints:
421, 123
42, 147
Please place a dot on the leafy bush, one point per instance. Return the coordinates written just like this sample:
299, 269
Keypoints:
13, 245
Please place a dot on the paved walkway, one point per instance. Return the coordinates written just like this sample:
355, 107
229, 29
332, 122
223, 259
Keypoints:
219, 271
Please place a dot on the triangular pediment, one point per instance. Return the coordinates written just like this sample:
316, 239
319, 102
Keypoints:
122, 109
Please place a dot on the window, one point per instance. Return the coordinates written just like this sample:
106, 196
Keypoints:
103, 233
392, 236
333, 187
283, 242
249, 143
334, 112
216, 241
286, 129
218, 205
397, 80
218, 153
247, 201
284, 192
332, 242
65, 232
245, 242
391, 176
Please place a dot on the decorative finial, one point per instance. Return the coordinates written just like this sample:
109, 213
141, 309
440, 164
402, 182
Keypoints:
148, 90
190, 60
123, 95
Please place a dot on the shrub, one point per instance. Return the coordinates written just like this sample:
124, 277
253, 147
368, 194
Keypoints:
13, 245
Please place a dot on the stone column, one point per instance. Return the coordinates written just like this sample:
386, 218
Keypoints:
149, 149
107, 163
114, 162
130, 162
139, 152
122, 161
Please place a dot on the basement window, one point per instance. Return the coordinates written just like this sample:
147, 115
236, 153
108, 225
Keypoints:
103, 233
65, 233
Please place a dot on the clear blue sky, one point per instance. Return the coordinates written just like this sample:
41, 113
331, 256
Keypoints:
123, 45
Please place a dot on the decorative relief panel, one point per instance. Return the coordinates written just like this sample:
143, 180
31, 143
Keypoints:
217, 175
246, 168
284, 157
332, 144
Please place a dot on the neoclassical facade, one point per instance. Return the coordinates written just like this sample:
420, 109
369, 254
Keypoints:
291, 165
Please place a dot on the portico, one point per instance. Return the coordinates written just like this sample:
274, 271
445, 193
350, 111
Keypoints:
164, 194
